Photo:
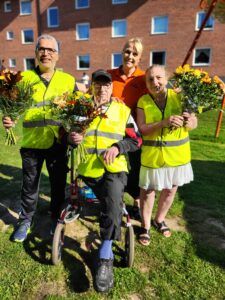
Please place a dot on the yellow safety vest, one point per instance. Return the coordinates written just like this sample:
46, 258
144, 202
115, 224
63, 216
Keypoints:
166, 146
40, 128
101, 134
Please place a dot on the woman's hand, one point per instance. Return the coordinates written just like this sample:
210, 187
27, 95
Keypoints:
110, 155
75, 138
190, 120
7, 122
174, 121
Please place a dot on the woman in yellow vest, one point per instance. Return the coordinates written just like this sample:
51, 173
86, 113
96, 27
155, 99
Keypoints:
107, 141
165, 156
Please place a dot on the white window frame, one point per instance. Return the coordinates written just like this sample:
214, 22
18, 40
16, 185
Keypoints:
117, 2
25, 14
118, 20
22, 35
197, 20
48, 16
112, 59
202, 64
5, 6
25, 62
12, 62
157, 51
78, 62
83, 7
8, 35
153, 27
77, 36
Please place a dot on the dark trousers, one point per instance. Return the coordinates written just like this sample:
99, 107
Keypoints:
32, 162
132, 187
109, 189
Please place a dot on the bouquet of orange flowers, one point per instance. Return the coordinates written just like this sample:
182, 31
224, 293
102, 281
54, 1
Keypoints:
15, 98
200, 91
76, 111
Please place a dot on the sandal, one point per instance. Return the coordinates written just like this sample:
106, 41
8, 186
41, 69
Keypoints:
162, 228
144, 237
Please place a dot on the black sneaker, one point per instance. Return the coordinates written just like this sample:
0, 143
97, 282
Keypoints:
104, 279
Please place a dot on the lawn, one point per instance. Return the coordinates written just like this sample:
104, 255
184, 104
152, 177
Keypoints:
189, 265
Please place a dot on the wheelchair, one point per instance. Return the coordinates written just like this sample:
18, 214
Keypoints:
79, 194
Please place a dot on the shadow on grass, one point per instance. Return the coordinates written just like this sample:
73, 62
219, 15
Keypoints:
204, 210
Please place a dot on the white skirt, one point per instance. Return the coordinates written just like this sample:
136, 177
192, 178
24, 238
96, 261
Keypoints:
165, 178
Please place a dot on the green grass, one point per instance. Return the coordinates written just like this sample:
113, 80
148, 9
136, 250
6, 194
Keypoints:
189, 265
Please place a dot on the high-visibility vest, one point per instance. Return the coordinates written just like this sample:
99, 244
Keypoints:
101, 134
40, 128
165, 146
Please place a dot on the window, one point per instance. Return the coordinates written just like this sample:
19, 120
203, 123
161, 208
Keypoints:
82, 31
9, 35
7, 6
200, 18
158, 58
116, 60
29, 63
83, 62
202, 57
119, 1
119, 28
12, 62
159, 25
79, 4
53, 17
25, 7
27, 36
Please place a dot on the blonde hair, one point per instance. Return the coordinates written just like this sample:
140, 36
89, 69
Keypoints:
167, 74
137, 42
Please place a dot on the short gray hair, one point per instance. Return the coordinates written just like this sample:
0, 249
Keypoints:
47, 37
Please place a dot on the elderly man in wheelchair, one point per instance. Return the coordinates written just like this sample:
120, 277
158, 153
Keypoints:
107, 141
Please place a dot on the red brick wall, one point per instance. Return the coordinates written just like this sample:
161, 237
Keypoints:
100, 46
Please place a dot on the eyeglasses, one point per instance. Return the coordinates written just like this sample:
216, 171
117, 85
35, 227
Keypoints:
50, 51
102, 85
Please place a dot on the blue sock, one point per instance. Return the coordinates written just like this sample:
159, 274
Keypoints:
105, 251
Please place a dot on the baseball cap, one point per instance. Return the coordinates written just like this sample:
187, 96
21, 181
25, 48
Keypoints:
101, 75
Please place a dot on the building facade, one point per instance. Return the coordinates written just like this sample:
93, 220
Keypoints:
91, 33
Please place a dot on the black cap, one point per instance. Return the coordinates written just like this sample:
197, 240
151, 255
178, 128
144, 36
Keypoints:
101, 75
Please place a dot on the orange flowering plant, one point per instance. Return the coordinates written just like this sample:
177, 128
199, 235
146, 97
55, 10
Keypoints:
200, 91
76, 111
15, 97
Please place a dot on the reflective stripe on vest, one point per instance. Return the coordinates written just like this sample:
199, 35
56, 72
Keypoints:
165, 143
41, 123
40, 104
105, 134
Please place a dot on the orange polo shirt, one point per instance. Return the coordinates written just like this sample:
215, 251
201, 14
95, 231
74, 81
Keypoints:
131, 89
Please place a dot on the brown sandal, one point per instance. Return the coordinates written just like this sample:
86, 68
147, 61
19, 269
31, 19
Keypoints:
162, 228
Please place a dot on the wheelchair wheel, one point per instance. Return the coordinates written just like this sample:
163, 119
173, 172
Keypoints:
129, 246
57, 244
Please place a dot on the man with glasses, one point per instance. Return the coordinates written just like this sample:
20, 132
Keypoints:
41, 136
107, 141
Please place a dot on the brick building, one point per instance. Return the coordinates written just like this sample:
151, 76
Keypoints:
91, 33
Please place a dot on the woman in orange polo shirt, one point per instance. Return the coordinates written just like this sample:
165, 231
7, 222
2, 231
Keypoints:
129, 85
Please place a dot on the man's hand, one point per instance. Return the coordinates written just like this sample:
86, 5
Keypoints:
7, 122
174, 121
110, 155
75, 138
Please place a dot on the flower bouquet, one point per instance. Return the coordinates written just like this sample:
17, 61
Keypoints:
15, 98
200, 92
76, 111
